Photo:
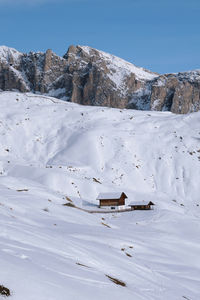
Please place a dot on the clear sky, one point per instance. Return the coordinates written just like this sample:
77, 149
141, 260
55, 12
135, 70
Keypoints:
161, 35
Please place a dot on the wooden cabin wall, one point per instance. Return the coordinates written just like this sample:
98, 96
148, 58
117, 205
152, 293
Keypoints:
141, 207
122, 200
109, 202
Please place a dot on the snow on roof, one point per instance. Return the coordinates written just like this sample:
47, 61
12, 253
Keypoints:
113, 195
139, 203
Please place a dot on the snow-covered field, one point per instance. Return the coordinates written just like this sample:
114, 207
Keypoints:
52, 151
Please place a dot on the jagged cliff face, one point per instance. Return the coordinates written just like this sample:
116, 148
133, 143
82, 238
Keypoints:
179, 93
34, 72
91, 77
98, 78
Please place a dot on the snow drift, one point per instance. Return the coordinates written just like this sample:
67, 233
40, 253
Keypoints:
51, 151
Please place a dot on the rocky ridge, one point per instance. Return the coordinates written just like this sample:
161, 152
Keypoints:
91, 77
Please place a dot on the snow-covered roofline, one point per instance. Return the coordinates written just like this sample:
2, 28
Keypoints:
141, 203
112, 195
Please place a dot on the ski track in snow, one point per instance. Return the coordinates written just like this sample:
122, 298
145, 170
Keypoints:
51, 150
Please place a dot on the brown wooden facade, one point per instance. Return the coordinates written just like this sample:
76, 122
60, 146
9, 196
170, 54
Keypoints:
113, 202
145, 206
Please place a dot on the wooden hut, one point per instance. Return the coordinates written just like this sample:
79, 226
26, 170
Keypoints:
142, 205
112, 199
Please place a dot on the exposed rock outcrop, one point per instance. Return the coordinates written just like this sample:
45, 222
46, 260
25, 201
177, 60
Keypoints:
98, 78
179, 93
91, 77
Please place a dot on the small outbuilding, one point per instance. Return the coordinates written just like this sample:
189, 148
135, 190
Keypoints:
112, 199
142, 205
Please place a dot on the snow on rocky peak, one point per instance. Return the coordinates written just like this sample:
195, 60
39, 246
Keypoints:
92, 77
121, 69
191, 76
8, 53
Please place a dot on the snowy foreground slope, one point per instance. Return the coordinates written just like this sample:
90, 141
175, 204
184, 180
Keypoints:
51, 150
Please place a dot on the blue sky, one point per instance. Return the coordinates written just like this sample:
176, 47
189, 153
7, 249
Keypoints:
161, 35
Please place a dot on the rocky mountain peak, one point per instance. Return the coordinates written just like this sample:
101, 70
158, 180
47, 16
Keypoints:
92, 77
10, 55
103, 79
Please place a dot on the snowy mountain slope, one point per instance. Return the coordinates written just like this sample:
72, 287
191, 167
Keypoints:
51, 150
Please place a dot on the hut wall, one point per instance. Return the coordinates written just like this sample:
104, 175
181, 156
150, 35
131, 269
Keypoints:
110, 202
122, 200
141, 207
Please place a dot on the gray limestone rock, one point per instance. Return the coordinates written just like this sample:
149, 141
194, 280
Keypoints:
91, 77
178, 93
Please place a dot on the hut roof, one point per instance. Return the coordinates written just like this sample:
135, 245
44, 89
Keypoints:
113, 195
141, 203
